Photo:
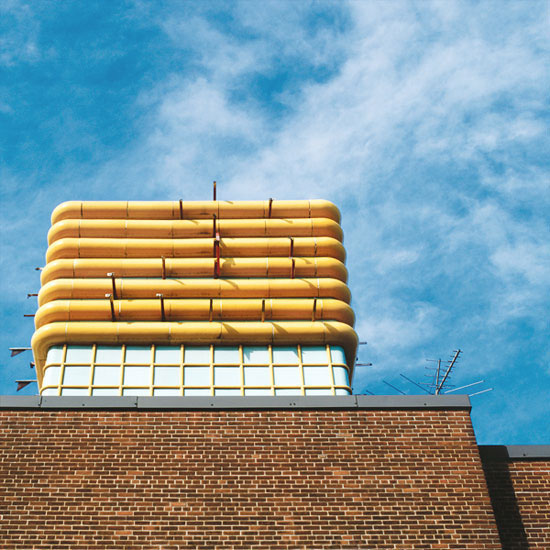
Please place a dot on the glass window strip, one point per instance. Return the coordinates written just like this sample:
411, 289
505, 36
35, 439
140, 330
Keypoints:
240, 384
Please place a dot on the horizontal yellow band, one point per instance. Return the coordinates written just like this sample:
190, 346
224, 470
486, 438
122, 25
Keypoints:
173, 210
179, 229
193, 267
279, 309
79, 289
194, 248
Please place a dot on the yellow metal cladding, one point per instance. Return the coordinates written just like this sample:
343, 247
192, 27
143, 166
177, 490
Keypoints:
194, 310
194, 210
184, 229
195, 248
180, 272
88, 268
126, 289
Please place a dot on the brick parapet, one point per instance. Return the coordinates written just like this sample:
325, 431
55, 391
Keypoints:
243, 478
518, 478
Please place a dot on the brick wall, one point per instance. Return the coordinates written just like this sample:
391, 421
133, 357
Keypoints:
249, 478
520, 493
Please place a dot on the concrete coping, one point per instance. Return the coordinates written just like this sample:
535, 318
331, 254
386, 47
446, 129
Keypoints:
368, 402
500, 453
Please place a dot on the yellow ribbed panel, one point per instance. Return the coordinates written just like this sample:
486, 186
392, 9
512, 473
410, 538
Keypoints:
195, 309
79, 289
191, 210
85, 268
185, 229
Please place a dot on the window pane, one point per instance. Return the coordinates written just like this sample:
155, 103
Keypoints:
317, 376
197, 354
338, 355
315, 354
79, 354
108, 354
79, 376
227, 376
167, 391
256, 355
167, 376
138, 376
297, 391
49, 391
105, 391
287, 376
196, 391
227, 392
285, 355
136, 391
319, 392
340, 391
74, 391
168, 355
107, 376
257, 376
226, 355
257, 391
138, 354
55, 354
340, 376
196, 376
51, 376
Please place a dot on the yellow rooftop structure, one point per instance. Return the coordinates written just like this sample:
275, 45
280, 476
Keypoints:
195, 298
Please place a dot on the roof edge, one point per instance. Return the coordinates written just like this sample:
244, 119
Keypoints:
497, 453
374, 402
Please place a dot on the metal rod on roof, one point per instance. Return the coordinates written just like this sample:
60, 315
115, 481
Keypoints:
112, 275
293, 268
449, 368
162, 313
482, 391
181, 209
270, 206
413, 382
211, 312
466, 386
396, 389
29, 314
111, 301
263, 311
33, 294
314, 312
291, 253
163, 267
215, 191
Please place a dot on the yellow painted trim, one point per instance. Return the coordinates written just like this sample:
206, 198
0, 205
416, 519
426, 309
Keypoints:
170, 210
193, 267
194, 310
79, 289
179, 229
193, 248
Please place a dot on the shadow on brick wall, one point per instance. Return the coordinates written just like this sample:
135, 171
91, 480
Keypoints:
503, 498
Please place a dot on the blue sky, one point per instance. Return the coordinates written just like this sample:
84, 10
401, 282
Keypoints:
425, 122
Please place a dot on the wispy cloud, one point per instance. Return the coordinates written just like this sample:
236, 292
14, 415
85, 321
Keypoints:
426, 123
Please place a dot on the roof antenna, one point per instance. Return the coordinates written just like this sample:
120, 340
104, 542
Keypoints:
215, 191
